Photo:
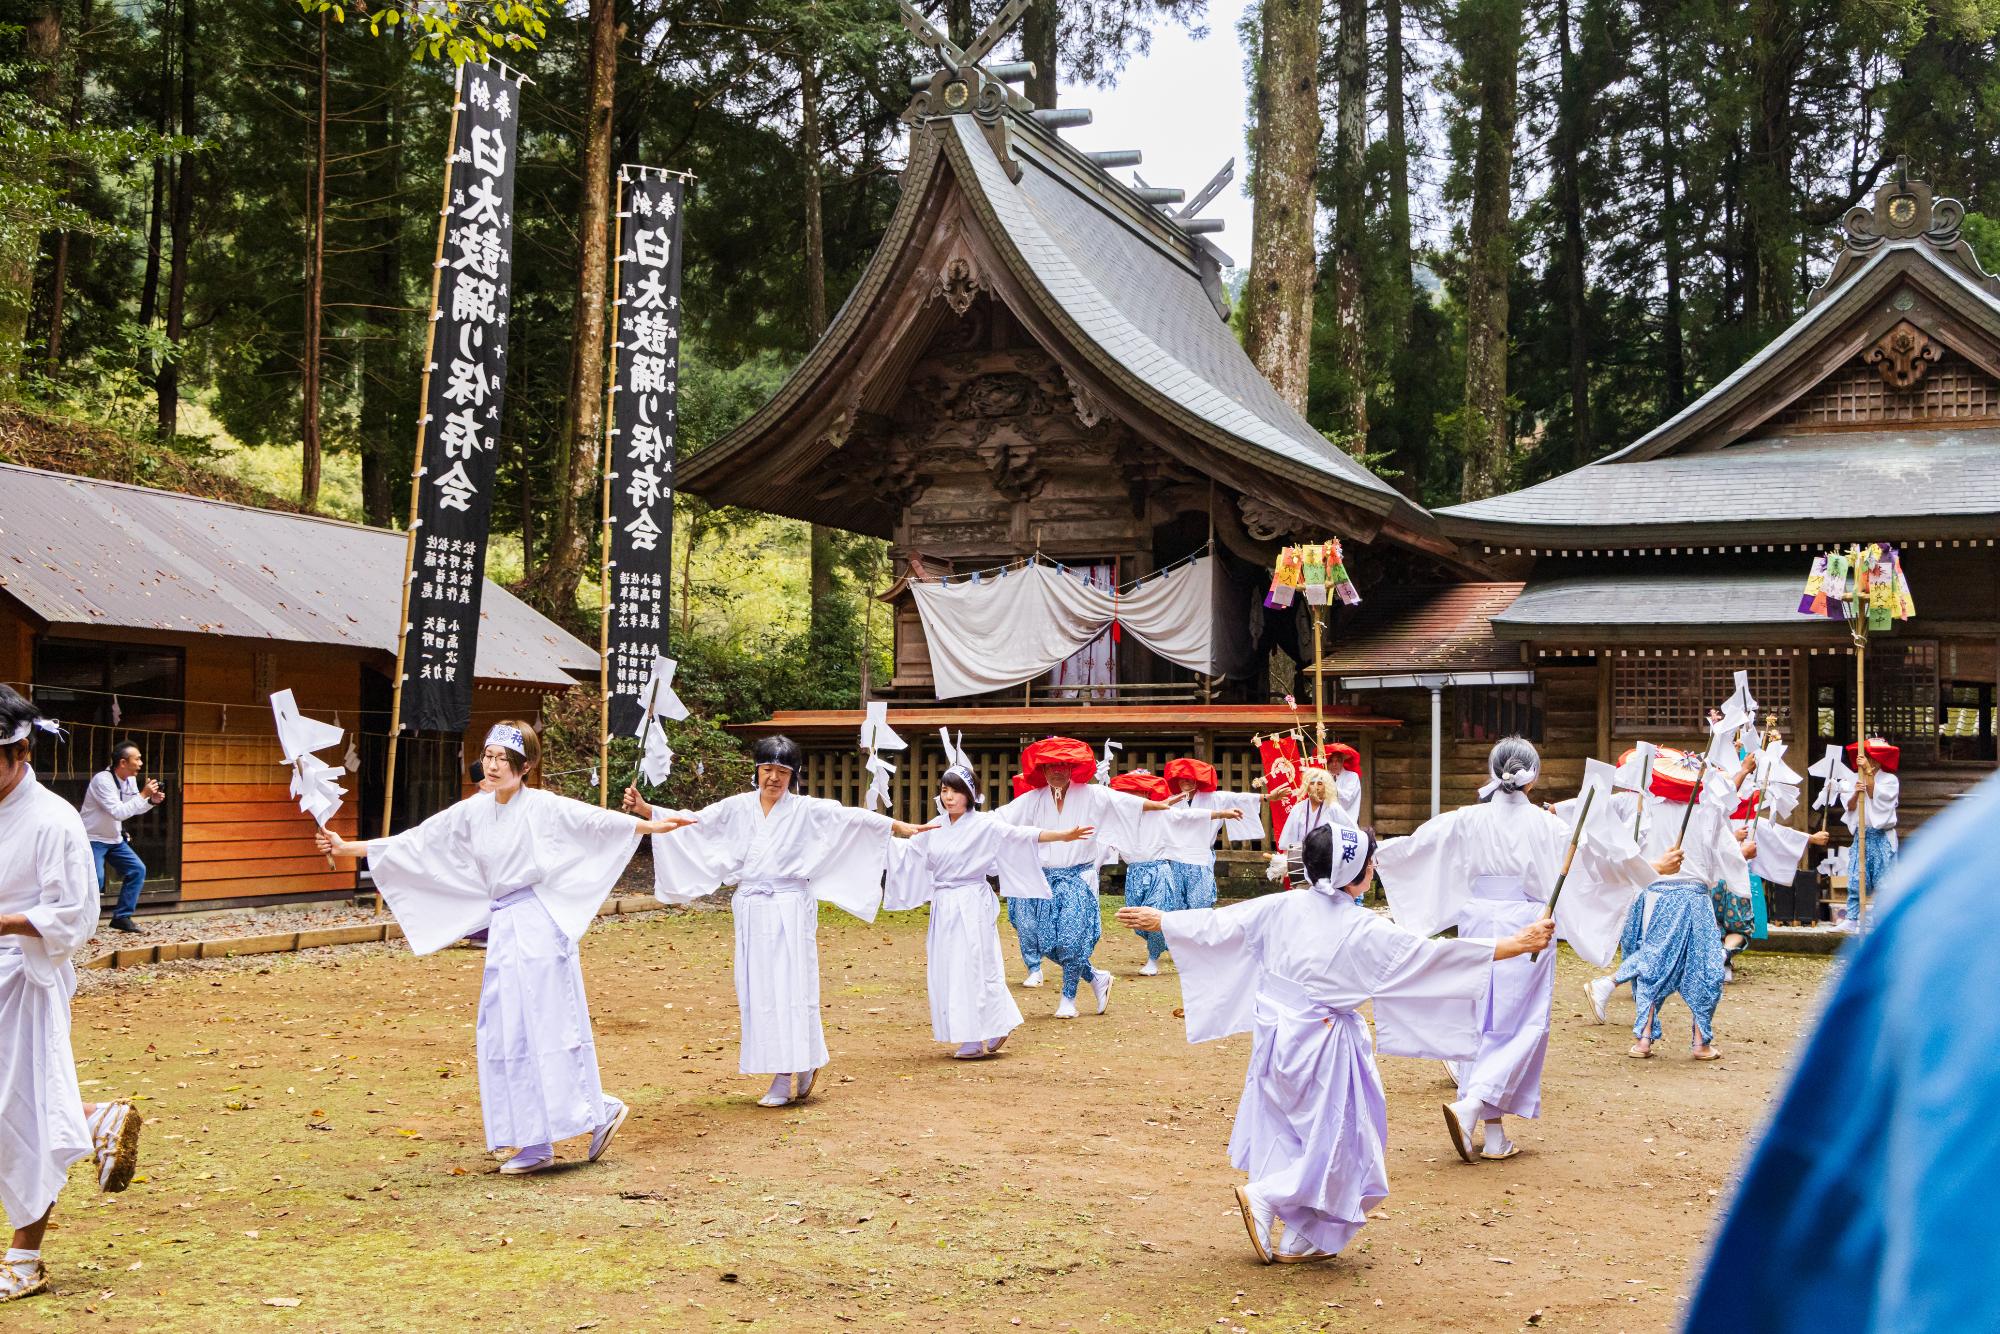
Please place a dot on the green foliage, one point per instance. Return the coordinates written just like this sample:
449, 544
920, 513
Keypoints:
456, 30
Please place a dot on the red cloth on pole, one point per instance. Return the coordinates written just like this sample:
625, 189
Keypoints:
1281, 776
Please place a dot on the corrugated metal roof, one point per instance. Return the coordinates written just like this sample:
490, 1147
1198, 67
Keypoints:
78, 551
1426, 630
1804, 482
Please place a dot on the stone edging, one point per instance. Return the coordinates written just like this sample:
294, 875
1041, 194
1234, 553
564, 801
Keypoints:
287, 942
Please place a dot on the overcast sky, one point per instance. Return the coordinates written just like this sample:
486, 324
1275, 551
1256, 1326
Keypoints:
1182, 105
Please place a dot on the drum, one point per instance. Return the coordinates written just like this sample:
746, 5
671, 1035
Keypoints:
1673, 775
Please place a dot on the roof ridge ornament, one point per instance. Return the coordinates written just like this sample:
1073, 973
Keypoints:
1903, 210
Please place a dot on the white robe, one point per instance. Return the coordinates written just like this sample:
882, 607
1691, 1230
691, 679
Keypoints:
804, 851
1294, 968
46, 872
1114, 815
1487, 870
533, 871
1302, 819
947, 867
1193, 841
1881, 804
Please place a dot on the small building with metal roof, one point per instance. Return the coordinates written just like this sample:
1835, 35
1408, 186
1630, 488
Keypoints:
169, 619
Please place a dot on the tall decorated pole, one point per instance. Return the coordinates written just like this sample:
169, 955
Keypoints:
1317, 570
464, 383
1866, 587
639, 429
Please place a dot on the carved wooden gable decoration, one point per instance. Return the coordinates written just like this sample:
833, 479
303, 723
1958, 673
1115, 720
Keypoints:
1903, 335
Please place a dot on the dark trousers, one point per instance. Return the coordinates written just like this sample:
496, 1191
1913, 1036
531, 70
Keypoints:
131, 871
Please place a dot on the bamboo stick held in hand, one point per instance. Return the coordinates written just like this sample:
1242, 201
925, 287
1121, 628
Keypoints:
1549, 908
1700, 773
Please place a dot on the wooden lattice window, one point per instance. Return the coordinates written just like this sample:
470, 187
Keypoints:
1488, 713
1661, 699
1954, 390
1903, 696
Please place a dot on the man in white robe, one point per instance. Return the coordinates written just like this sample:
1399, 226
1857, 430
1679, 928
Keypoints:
1487, 869
48, 907
1294, 970
1319, 804
1067, 925
786, 854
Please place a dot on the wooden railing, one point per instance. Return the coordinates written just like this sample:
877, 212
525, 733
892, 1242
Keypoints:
843, 776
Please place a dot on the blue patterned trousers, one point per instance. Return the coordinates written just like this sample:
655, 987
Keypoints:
1196, 884
1152, 885
1879, 858
1065, 926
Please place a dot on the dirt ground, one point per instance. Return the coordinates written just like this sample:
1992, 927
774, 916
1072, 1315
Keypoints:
313, 1161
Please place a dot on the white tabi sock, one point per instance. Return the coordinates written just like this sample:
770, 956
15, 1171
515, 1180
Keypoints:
781, 1087
1496, 1137
16, 1256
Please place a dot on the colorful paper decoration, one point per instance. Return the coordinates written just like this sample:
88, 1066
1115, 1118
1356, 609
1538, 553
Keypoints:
1865, 584
1316, 567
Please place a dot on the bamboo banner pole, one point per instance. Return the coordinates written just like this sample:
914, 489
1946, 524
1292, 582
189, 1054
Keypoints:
1576, 834
1700, 773
1319, 683
609, 433
1859, 870
417, 465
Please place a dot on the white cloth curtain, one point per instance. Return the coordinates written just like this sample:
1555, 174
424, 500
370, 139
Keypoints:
1017, 625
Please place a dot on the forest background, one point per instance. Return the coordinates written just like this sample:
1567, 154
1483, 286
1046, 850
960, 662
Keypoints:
217, 221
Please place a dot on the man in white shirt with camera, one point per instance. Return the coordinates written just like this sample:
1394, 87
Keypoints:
113, 797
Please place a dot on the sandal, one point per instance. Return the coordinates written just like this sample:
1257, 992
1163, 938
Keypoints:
1461, 1138
115, 1137
1250, 1226
1508, 1152
22, 1278
1637, 1055
993, 1045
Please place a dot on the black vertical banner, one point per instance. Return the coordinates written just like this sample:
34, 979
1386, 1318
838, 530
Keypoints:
639, 437
467, 379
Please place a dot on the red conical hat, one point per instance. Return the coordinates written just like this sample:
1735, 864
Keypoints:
1347, 755
1200, 771
1022, 786
1141, 784
1885, 755
1057, 752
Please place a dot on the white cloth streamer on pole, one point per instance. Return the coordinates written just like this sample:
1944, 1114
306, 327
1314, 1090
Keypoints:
1011, 627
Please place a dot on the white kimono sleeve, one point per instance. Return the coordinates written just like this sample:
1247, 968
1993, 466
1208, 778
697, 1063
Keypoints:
1116, 815
909, 882
1017, 860
1219, 956
851, 855
1427, 876
700, 858
429, 879
1598, 892
1247, 827
1780, 849
583, 850
1430, 994
66, 913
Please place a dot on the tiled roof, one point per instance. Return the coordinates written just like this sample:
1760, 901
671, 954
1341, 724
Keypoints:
1426, 630
1615, 605
77, 551
1146, 308
1902, 483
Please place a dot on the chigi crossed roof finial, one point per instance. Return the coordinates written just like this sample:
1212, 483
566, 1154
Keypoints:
961, 82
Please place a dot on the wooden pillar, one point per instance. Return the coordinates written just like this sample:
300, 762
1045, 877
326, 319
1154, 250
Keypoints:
1604, 709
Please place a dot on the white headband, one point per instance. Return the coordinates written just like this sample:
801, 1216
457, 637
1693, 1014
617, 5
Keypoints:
20, 733
963, 773
1515, 779
508, 738
1348, 845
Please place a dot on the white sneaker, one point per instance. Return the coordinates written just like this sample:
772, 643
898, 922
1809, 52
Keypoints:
1033, 979
1599, 990
1100, 982
600, 1139
1152, 968
1067, 1008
